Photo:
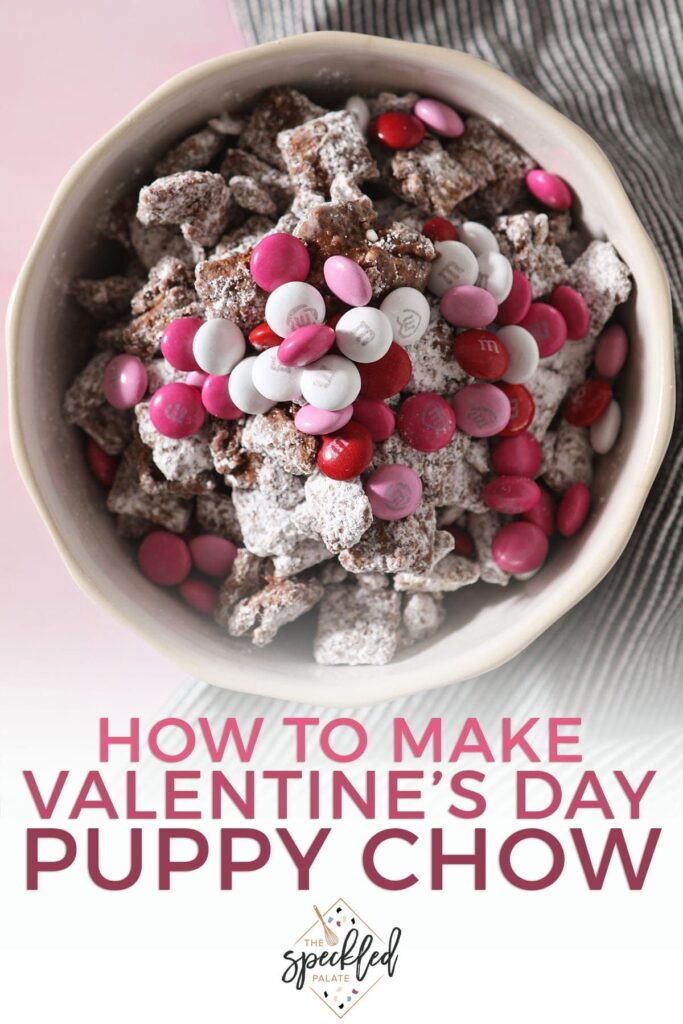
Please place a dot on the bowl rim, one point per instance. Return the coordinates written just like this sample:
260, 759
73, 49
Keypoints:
353, 694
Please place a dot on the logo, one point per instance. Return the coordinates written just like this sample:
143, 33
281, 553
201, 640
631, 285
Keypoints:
364, 333
339, 957
408, 322
301, 316
397, 496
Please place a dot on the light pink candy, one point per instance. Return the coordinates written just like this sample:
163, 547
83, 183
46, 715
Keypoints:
278, 259
376, 416
439, 117
176, 410
611, 351
196, 378
573, 509
511, 495
347, 280
466, 305
543, 512
124, 381
164, 558
212, 555
176, 342
311, 420
394, 491
574, 309
519, 547
549, 189
305, 345
548, 327
520, 455
481, 410
216, 400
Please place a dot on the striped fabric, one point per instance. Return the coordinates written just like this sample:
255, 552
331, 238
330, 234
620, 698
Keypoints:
613, 66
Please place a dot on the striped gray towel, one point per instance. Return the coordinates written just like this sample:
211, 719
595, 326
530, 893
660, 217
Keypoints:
613, 67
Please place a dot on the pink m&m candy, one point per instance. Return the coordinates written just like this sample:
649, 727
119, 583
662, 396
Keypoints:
212, 555
573, 509
347, 280
518, 456
426, 422
200, 595
466, 305
311, 420
394, 491
543, 512
573, 308
176, 410
611, 351
439, 117
277, 259
176, 342
519, 547
516, 306
102, 465
481, 410
164, 558
511, 495
376, 416
548, 327
196, 378
124, 381
305, 345
549, 189
216, 398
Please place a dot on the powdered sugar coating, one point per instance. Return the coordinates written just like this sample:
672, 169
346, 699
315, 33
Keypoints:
357, 626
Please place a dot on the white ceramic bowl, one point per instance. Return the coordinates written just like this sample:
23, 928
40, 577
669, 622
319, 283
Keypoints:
47, 344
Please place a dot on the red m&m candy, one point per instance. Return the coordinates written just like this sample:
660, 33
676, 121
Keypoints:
386, 376
164, 558
548, 327
522, 408
519, 547
511, 495
543, 512
398, 130
102, 465
574, 309
518, 456
463, 543
481, 354
426, 422
573, 509
587, 404
513, 309
262, 337
440, 230
346, 453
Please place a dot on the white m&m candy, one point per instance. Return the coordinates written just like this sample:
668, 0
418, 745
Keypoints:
217, 346
478, 237
454, 265
357, 106
364, 334
522, 348
332, 382
495, 275
605, 431
408, 311
242, 389
292, 305
273, 379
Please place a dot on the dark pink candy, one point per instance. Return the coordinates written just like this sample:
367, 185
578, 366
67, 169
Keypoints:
278, 259
376, 416
611, 351
511, 495
516, 306
548, 327
176, 342
549, 189
102, 465
305, 345
426, 422
176, 410
200, 595
543, 512
518, 456
573, 308
212, 554
519, 547
573, 509
164, 558
216, 399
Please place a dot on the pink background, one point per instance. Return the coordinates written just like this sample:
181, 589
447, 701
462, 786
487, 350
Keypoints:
71, 71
